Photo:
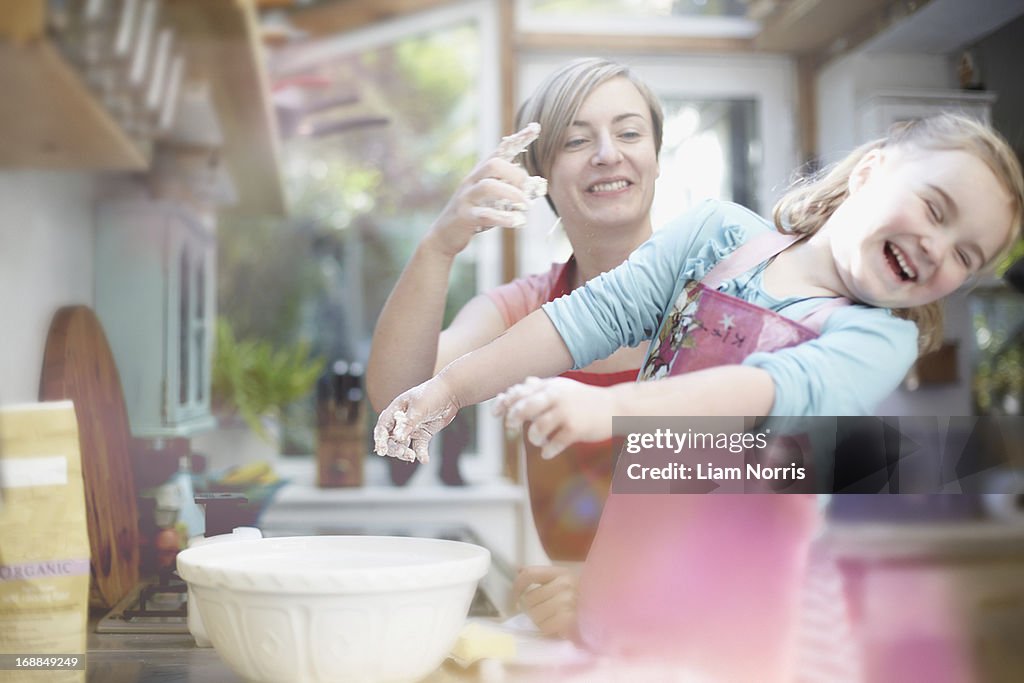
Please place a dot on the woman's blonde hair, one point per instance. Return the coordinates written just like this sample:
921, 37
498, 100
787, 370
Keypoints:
555, 102
811, 201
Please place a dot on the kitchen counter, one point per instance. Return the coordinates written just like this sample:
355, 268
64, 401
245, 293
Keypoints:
166, 658
172, 659
152, 657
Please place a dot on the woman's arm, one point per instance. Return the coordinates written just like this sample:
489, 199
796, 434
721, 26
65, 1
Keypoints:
408, 346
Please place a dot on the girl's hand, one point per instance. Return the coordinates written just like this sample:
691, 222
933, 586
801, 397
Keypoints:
405, 428
562, 412
548, 597
495, 194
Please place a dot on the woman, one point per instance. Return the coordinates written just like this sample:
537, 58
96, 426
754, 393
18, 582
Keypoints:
601, 131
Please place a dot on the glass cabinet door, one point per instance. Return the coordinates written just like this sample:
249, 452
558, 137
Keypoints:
154, 296
189, 313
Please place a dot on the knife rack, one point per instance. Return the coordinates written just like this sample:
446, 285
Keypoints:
341, 447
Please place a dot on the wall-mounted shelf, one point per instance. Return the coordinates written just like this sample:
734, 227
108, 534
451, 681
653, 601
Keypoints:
881, 109
50, 119
48, 116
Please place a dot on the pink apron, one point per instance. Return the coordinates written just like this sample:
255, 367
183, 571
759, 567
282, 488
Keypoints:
711, 581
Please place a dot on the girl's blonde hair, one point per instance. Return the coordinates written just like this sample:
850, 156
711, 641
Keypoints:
810, 202
555, 102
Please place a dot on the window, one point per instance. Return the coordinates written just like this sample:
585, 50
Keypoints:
707, 18
378, 128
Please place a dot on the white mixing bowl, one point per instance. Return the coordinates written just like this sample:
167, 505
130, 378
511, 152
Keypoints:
359, 609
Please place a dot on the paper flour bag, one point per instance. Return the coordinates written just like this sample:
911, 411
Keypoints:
44, 544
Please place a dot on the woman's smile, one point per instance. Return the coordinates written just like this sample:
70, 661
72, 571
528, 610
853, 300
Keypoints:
610, 187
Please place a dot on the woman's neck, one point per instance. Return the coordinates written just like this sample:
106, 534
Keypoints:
600, 252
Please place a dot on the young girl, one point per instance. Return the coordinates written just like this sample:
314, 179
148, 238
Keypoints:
821, 315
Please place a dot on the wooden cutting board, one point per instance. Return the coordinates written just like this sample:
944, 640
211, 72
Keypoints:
79, 366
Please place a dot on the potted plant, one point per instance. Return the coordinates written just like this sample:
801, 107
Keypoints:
256, 381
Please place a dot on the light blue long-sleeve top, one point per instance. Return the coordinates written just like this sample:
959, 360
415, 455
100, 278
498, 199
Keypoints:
861, 355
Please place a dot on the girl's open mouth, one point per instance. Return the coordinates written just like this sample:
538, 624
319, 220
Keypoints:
899, 263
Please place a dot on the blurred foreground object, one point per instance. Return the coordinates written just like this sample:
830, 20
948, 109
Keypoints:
44, 545
935, 602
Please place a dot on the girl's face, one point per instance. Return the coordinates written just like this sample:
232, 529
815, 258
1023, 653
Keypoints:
917, 225
603, 176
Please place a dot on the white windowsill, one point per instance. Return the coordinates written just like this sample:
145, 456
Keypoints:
301, 489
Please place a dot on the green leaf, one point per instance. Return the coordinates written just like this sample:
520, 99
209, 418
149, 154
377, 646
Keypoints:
256, 380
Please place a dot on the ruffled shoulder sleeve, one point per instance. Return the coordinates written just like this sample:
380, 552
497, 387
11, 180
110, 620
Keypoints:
719, 236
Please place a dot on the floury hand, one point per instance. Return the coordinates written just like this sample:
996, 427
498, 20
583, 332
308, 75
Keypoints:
405, 428
496, 194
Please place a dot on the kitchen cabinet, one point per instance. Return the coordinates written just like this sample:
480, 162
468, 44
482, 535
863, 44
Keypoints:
155, 295
885, 107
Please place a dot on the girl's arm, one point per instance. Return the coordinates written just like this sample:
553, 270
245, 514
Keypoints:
619, 308
724, 390
530, 347
858, 360
563, 412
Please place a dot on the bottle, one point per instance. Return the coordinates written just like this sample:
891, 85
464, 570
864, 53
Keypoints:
189, 513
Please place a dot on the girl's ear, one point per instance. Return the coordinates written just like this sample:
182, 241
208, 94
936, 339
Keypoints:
867, 165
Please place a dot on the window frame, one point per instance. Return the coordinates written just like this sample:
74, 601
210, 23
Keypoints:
529, 21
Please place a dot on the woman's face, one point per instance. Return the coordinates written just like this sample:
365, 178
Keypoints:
917, 225
603, 175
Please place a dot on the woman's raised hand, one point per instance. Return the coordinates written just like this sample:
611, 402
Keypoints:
561, 412
405, 428
495, 194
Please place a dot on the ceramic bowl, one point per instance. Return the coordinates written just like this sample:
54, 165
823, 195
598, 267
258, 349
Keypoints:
363, 609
